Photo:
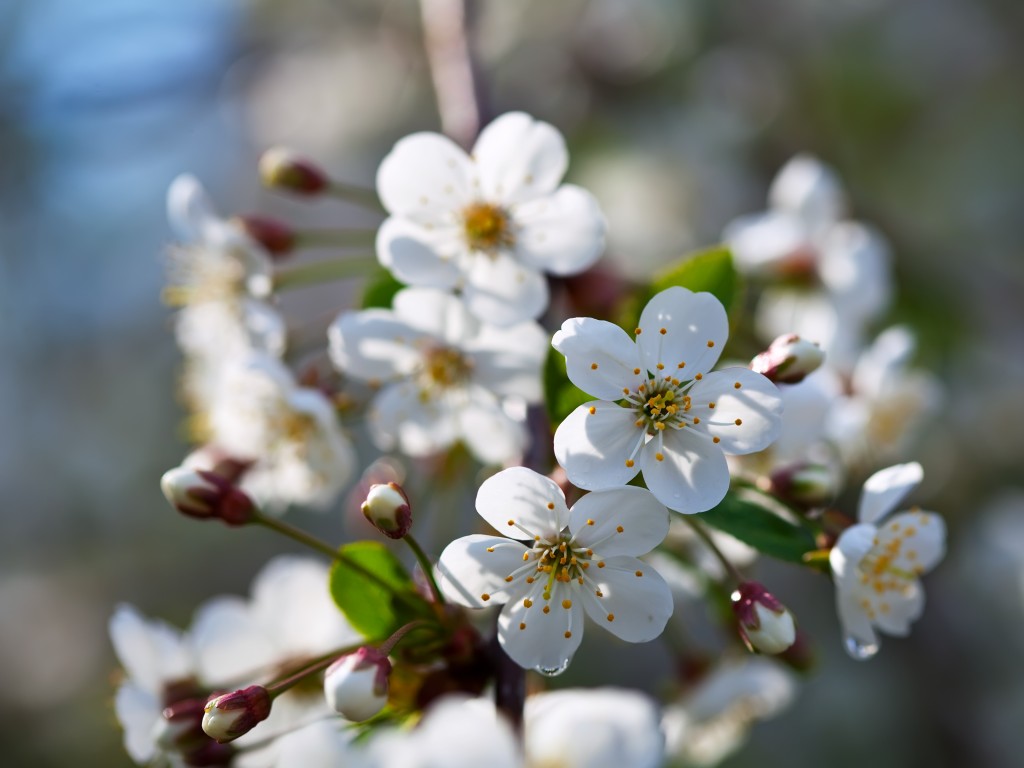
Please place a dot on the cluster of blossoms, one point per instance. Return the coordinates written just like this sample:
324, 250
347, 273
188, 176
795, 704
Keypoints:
670, 474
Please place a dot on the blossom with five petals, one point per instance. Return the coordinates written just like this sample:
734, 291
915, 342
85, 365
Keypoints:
490, 223
662, 412
574, 561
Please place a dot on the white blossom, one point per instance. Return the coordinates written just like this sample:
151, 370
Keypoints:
490, 223
443, 375
576, 561
662, 411
876, 565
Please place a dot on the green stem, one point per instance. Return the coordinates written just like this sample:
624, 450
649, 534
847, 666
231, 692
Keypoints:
367, 198
324, 271
321, 546
396, 637
704, 536
316, 238
278, 687
425, 564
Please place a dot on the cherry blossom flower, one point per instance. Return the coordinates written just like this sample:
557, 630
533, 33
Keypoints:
444, 376
662, 412
291, 434
490, 223
804, 234
876, 566
576, 561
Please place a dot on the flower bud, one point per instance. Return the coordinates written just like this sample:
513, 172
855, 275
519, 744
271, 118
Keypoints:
204, 494
788, 359
277, 237
209, 754
181, 726
387, 509
280, 168
356, 685
806, 485
765, 623
231, 715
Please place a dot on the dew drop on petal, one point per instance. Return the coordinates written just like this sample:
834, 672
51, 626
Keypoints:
554, 671
858, 649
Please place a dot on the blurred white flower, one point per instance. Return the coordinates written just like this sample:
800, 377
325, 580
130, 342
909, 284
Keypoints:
876, 566
804, 235
300, 454
444, 375
662, 412
713, 719
579, 560
490, 223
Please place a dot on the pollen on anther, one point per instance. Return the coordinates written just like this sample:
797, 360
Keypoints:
600, 564
611, 617
738, 422
619, 529
636, 371
511, 522
490, 549
716, 439
599, 593
630, 463
711, 405
638, 574
737, 385
699, 376
593, 366
638, 331
696, 419
508, 578
485, 597
551, 505
659, 456
547, 609
522, 625
710, 344
663, 331
530, 579
660, 366
568, 634
625, 390
526, 556
567, 604
527, 603
681, 365
592, 409
590, 522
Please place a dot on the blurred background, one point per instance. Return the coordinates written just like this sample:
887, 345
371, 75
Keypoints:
677, 112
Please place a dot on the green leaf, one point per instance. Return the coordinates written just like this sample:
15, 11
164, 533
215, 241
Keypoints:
380, 290
761, 528
372, 609
561, 396
709, 270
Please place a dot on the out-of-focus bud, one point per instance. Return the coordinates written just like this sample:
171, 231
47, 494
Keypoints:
788, 359
765, 623
356, 685
806, 485
800, 655
206, 495
209, 754
231, 715
181, 726
387, 508
277, 237
281, 168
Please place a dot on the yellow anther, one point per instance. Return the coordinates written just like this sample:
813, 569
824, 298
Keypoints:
711, 405
611, 617
567, 604
638, 423
638, 331
710, 343
638, 574
663, 331
738, 422
737, 385
696, 419
600, 563
592, 409
593, 366
508, 578
636, 371
630, 463
625, 390
547, 609
568, 634
659, 425
619, 529
660, 366
526, 556
590, 522
659, 456
527, 603
699, 376
530, 579
599, 593
716, 439
551, 505
485, 597
681, 365
490, 549
511, 522
522, 625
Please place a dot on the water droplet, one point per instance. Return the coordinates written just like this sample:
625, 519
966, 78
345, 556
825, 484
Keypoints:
859, 649
554, 671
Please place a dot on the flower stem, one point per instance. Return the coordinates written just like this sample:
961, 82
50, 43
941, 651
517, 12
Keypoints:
280, 686
361, 196
425, 564
316, 238
704, 536
324, 271
396, 637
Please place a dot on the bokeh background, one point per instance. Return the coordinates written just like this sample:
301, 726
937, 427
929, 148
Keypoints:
678, 113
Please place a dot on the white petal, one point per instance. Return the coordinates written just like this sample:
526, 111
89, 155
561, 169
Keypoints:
151, 652
374, 345
561, 233
763, 243
400, 418
808, 313
230, 643
426, 177
696, 329
508, 361
886, 359
745, 419
418, 256
502, 291
477, 565
895, 611
189, 209
850, 548
639, 606
692, 476
519, 158
642, 518
593, 447
887, 488
533, 503
265, 326
853, 619
435, 313
491, 435
138, 711
810, 189
922, 537
534, 639
600, 358
854, 268
481, 736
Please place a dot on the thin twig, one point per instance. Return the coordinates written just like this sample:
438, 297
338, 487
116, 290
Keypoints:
451, 68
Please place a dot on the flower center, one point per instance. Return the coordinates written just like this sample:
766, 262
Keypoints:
487, 227
561, 561
445, 367
661, 403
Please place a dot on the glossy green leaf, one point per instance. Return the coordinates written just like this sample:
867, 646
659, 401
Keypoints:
370, 607
709, 270
760, 528
560, 395
380, 290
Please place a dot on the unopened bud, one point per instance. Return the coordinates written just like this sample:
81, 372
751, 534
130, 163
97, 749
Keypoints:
181, 726
387, 508
788, 359
356, 685
765, 623
231, 715
806, 485
206, 495
209, 754
281, 168
277, 237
